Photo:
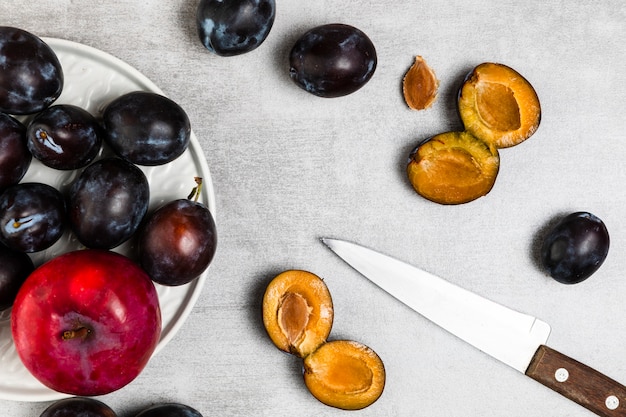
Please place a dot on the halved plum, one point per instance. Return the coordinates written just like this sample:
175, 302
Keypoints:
344, 374
453, 168
297, 312
498, 105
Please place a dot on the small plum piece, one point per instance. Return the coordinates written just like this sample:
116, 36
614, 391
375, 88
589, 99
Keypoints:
169, 410
31, 76
32, 216
86, 322
344, 374
107, 203
78, 407
15, 267
64, 137
297, 312
178, 241
575, 247
453, 168
146, 128
498, 105
234, 27
332, 60
420, 85
15, 158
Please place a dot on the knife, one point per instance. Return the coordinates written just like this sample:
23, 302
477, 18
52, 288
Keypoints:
517, 339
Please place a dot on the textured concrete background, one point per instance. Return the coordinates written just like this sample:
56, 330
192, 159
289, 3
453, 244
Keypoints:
289, 167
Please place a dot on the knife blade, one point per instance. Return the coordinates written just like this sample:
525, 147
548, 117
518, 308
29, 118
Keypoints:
516, 339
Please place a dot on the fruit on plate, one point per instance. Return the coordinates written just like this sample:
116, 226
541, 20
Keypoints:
498, 105
15, 267
107, 203
146, 128
234, 27
178, 241
14, 155
420, 85
64, 137
31, 77
332, 60
169, 410
298, 315
32, 216
78, 407
575, 247
453, 168
344, 374
297, 312
86, 322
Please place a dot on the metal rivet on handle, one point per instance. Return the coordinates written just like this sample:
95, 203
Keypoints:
561, 375
612, 402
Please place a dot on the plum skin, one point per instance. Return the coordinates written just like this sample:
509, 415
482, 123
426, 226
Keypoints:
78, 407
332, 60
234, 27
15, 158
178, 242
31, 76
575, 248
169, 410
15, 267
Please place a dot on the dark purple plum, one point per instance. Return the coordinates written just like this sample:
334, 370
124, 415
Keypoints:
332, 60
177, 242
169, 410
64, 137
146, 128
107, 203
575, 248
78, 407
234, 27
31, 76
14, 155
32, 216
15, 267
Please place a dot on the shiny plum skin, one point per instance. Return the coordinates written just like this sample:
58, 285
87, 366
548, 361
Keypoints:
169, 410
86, 322
107, 203
332, 60
177, 242
14, 155
78, 407
32, 216
575, 248
15, 267
234, 27
64, 137
31, 76
146, 128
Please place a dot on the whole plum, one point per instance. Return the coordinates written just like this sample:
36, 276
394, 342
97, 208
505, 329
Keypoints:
169, 410
64, 137
14, 155
15, 267
31, 76
146, 128
177, 242
107, 202
78, 407
575, 248
32, 216
234, 27
332, 60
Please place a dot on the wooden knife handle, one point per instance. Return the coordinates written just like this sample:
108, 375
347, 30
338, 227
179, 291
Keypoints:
578, 382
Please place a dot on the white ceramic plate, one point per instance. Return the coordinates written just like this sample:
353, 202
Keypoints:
92, 79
